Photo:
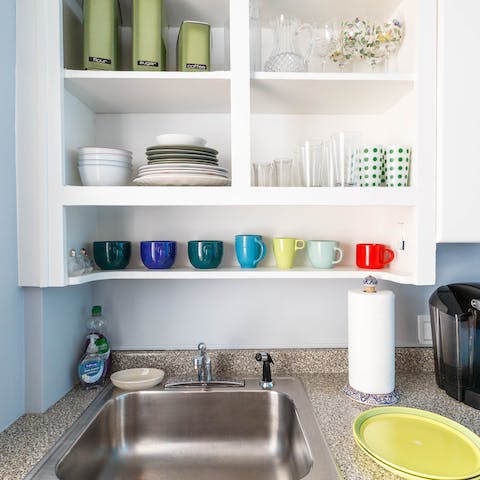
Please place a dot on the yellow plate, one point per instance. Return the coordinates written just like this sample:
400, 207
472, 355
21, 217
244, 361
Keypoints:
419, 443
399, 473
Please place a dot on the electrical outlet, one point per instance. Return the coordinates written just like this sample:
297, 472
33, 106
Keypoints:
424, 330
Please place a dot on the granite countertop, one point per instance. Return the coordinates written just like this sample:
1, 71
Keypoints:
30, 437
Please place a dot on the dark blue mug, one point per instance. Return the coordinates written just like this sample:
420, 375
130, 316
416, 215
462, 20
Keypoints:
205, 254
250, 250
158, 253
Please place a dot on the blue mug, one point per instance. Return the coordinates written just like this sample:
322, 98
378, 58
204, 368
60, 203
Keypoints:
250, 250
158, 253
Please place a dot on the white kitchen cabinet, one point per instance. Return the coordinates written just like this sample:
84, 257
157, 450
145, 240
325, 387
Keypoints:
248, 116
458, 121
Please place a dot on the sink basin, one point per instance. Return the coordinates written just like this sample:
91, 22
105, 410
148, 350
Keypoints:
213, 433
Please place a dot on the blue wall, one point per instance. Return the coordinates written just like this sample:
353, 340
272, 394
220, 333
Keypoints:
11, 304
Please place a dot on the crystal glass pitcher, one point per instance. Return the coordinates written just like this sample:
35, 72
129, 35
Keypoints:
285, 56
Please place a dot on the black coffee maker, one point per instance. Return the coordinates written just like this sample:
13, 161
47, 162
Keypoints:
455, 317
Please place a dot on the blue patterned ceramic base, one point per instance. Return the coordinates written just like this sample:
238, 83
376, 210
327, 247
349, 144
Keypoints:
374, 399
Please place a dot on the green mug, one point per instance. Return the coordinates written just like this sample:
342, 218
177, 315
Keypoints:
205, 254
284, 250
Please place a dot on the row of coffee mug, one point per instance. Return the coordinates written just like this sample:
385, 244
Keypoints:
250, 251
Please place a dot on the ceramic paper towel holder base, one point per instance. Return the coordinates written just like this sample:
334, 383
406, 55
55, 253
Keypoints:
372, 399
371, 346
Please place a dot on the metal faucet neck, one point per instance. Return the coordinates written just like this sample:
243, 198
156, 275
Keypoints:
203, 364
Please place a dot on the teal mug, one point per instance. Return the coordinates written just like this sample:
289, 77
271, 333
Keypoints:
250, 250
324, 253
204, 254
112, 255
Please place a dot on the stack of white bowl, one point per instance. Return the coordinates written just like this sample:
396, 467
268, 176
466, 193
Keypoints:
100, 166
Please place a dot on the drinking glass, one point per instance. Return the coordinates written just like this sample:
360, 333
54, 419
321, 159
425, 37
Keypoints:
345, 147
393, 31
325, 38
265, 175
329, 172
345, 46
310, 163
283, 170
351, 31
255, 36
370, 45
254, 174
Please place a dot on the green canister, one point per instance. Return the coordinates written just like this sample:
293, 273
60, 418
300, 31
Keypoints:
193, 47
148, 35
100, 34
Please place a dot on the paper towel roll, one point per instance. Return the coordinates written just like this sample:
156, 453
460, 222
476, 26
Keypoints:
371, 341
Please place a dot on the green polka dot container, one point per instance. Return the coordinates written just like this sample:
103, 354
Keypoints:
370, 166
397, 163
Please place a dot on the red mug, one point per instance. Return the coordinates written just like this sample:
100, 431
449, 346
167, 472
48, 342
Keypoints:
373, 255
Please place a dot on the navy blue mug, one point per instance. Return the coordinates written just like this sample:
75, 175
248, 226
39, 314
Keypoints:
250, 250
158, 253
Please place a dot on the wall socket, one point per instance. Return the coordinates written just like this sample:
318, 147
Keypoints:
424, 330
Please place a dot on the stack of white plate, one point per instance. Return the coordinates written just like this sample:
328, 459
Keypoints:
181, 165
100, 166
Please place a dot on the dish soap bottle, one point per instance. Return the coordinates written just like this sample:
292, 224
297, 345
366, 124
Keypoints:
97, 350
92, 367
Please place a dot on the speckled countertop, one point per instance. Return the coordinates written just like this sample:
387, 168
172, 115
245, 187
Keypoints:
30, 437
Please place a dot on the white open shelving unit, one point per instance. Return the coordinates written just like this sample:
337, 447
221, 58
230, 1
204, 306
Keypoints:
247, 116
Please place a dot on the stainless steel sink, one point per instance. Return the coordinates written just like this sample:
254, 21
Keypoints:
214, 433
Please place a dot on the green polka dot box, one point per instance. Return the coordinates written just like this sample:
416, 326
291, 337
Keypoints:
370, 166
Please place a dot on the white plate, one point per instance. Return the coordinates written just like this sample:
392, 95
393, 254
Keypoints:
181, 166
198, 156
182, 172
181, 180
178, 150
169, 138
137, 378
183, 147
182, 161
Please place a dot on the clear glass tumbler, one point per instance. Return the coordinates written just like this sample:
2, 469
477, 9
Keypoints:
265, 175
344, 148
283, 170
311, 152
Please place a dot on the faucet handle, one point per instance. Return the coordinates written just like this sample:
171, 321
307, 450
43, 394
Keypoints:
202, 347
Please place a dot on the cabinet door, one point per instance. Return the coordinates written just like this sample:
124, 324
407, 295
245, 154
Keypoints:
458, 121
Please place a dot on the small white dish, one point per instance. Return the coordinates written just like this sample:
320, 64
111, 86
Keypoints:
180, 139
103, 150
137, 378
98, 174
104, 156
105, 162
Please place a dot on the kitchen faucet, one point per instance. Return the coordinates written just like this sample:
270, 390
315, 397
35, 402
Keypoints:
203, 364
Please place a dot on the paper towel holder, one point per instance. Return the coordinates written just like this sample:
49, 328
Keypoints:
366, 398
